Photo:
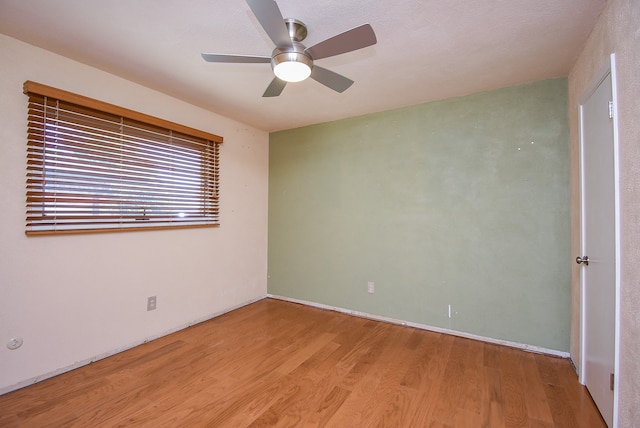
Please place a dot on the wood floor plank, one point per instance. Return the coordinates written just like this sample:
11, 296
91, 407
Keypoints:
452, 387
417, 375
513, 387
391, 402
559, 379
367, 376
327, 407
492, 398
428, 393
274, 363
536, 400
427, 397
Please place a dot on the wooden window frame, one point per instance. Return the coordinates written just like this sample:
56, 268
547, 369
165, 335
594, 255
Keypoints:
97, 167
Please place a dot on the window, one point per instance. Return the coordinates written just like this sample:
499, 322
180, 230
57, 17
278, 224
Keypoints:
93, 166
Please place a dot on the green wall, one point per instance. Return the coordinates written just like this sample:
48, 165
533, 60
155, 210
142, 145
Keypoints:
461, 202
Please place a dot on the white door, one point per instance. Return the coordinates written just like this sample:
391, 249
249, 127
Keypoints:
599, 245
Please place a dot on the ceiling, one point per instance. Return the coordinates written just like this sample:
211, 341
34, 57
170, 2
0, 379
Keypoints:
427, 49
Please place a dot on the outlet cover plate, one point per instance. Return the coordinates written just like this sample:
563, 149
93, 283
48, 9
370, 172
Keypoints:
151, 303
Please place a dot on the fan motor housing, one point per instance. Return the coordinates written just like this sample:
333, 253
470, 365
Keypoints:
294, 53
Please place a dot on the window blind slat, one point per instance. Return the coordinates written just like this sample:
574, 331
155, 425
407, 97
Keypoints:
93, 170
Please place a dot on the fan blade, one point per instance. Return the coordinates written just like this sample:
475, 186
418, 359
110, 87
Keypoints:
330, 79
271, 19
212, 57
351, 40
275, 88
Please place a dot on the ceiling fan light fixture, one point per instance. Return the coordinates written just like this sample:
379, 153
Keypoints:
291, 61
292, 66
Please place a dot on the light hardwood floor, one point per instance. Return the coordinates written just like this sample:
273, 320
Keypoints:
275, 363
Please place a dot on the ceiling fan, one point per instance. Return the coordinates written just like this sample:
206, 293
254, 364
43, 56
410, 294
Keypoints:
291, 61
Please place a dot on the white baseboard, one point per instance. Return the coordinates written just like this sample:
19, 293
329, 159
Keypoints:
78, 364
525, 347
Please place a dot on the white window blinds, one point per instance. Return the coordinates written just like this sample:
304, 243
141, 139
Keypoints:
92, 166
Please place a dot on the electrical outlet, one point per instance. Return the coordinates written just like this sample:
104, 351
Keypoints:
371, 287
14, 343
151, 303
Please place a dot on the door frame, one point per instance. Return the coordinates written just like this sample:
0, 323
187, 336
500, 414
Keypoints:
608, 68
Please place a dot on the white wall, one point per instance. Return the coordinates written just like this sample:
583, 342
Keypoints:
75, 297
617, 31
